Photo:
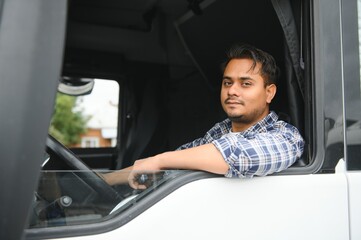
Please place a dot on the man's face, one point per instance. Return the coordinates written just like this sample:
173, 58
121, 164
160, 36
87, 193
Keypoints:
244, 96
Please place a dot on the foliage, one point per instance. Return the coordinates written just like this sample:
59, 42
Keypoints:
67, 123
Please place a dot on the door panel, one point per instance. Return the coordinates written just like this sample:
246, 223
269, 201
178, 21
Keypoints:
275, 207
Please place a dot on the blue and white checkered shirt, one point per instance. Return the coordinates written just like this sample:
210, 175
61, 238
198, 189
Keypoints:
267, 147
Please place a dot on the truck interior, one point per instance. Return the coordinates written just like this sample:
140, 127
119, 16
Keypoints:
166, 57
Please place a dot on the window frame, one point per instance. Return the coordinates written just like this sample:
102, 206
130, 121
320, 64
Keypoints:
351, 66
93, 142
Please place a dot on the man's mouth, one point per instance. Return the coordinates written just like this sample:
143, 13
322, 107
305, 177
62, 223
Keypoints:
233, 101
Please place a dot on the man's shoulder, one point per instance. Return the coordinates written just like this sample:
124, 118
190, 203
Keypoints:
225, 125
284, 125
289, 131
219, 129
273, 122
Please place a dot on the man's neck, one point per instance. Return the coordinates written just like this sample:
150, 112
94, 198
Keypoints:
243, 126
240, 127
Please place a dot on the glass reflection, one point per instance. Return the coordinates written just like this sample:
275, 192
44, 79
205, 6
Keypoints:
66, 198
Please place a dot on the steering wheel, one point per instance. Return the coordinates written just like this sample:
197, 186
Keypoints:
94, 180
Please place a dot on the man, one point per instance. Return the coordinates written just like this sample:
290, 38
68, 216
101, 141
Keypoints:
251, 141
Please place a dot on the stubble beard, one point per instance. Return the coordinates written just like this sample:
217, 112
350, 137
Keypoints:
251, 118
237, 119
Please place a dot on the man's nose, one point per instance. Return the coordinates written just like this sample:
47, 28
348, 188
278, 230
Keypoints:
234, 90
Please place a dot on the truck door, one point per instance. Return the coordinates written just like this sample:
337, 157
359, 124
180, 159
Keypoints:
31, 46
351, 12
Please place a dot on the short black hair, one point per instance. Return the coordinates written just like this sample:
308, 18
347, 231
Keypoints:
269, 70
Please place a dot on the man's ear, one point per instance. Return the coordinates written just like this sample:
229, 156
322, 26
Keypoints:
271, 92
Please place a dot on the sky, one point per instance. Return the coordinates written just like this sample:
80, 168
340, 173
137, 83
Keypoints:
102, 104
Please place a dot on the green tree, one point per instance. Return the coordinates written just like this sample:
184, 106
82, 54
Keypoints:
67, 123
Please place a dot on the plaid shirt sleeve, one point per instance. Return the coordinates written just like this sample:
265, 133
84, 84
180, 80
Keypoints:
262, 153
215, 132
195, 143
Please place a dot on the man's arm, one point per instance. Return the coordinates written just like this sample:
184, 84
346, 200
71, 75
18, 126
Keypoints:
117, 177
205, 157
261, 154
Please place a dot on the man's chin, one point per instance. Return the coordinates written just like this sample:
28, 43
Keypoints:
235, 118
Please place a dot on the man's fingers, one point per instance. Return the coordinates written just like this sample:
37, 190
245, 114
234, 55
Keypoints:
134, 183
142, 187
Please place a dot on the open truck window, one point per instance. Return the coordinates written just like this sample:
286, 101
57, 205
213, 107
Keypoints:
89, 119
166, 56
165, 61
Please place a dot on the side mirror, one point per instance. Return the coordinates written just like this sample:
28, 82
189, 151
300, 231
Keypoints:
75, 86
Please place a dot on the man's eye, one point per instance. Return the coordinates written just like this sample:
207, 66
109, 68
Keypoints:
227, 83
247, 84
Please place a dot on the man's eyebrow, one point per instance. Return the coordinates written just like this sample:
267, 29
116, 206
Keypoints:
226, 78
246, 78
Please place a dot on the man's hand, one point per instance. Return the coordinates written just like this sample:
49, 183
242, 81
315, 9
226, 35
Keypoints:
140, 168
204, 158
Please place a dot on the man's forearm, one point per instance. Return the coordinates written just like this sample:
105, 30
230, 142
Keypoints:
205, 158
117, 177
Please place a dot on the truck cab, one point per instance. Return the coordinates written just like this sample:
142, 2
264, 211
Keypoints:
88, 87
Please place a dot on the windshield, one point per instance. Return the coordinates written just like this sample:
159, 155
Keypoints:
66, 198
